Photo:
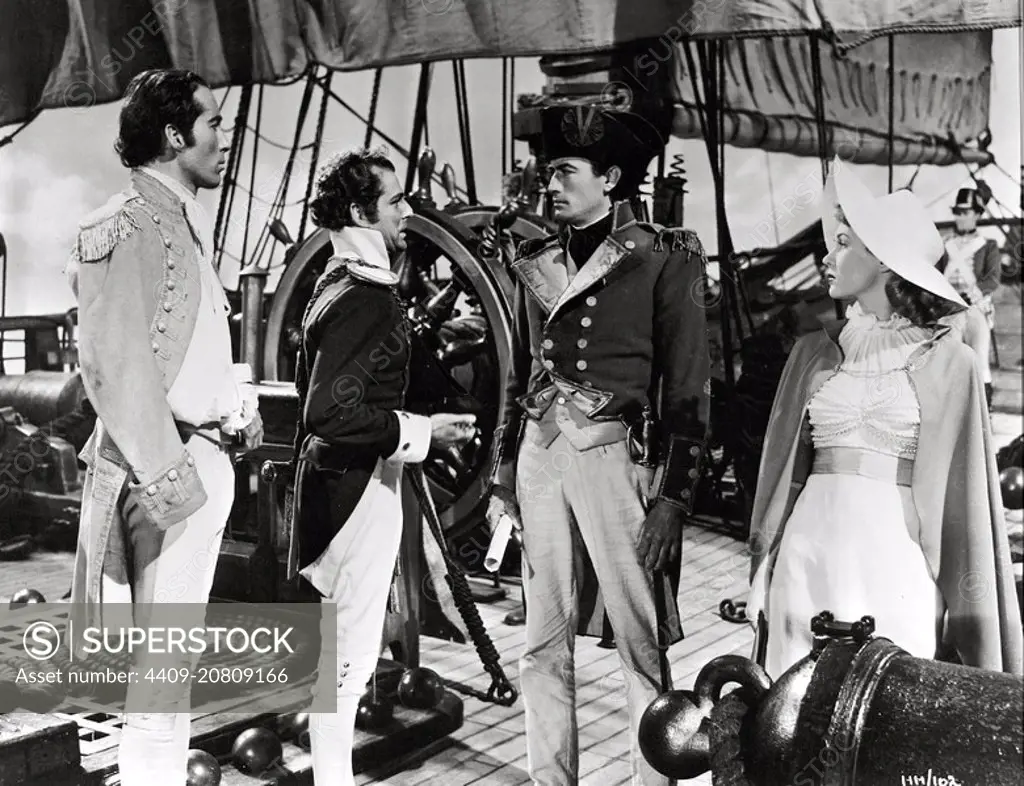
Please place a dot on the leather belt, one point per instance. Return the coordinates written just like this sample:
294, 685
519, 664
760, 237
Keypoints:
187, 430
866, 463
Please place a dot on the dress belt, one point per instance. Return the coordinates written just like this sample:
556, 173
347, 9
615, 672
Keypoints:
866, 463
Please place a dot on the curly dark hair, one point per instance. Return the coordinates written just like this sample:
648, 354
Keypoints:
348, 179
153, 100
920, 306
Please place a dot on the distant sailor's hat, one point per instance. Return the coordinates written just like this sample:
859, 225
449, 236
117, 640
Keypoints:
608, 138
895, 228
970, 199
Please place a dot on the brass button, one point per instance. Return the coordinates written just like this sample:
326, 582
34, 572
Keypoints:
190, 461
168, 305
692, 473
586, 321
156, 347
629, 244
172, 474
694, 451
151, 490
591, 301
547, 343
561, 399
167, 242
684, 494
582, 343
171, 285
161, 326
156, 219
549, 364
581, 365
587, 383
170, 264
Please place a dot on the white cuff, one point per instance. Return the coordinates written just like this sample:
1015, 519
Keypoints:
243, 416
413, 438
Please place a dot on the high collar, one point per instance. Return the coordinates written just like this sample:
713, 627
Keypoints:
158, 187
366, 244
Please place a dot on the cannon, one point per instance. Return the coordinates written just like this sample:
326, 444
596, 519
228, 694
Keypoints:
856, 710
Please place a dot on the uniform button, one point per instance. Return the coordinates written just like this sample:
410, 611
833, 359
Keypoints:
586, 321
581, 365
582, 343
692, 473
561, 399
591, 301
549, 364
587, 383
170, 264
684, 494
161, 326
167, 242
171, 285
156, 347
151, 491
168, 305
629, 244
547, 343
172, 474
190, 461
694, 451
156, 219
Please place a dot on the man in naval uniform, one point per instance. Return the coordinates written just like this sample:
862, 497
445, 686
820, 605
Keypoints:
155, 354
604, 427
354, 435
972, 268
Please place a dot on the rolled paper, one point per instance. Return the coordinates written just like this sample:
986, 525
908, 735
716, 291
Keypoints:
499, 542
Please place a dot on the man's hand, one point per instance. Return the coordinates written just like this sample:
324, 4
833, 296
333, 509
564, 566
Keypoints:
660, 536
252, 435
448, 430
503, 502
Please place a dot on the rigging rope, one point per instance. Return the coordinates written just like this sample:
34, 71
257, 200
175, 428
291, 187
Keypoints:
501, 690
314, 158
371, 118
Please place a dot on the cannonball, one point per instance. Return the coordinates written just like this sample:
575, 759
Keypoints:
203, 769
291, 725
671, 738
25, 596
420, 688
255, 750
1011, 482
375, 710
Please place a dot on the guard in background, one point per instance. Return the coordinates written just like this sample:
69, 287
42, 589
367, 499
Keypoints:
353, 436
604, 427
155, 352
972, 268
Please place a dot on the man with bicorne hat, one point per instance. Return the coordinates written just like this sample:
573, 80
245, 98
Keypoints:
973, 270
604, 428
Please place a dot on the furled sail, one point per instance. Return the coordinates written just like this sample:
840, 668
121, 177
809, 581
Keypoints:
78, 53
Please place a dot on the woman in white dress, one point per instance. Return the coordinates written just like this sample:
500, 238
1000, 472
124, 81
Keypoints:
849, 516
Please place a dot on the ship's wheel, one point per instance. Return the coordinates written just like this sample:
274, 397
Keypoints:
459, 315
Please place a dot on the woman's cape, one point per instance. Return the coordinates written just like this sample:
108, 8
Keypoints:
955, 488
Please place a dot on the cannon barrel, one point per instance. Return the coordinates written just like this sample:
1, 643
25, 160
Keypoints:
857, 710
42, 396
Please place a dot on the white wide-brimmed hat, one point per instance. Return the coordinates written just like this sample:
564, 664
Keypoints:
895, 228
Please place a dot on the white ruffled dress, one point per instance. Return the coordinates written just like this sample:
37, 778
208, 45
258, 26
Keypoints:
851, 545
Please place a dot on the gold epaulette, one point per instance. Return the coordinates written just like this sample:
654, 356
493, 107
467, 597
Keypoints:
678, 239
102, 230
371, 274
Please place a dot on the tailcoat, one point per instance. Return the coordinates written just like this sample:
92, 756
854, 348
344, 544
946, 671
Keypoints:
628, 331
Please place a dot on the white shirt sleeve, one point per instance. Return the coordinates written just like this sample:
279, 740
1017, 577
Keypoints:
413, 438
